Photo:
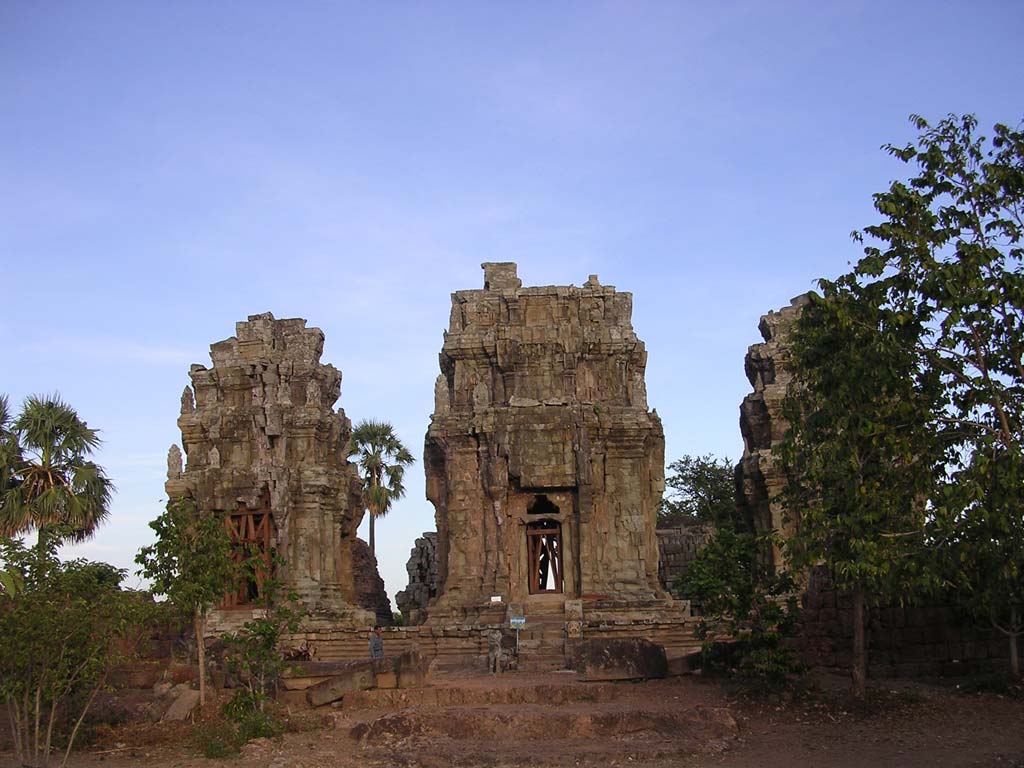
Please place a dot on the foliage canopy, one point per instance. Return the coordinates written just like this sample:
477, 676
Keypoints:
906, 448
700, 488
47, 481
382, 459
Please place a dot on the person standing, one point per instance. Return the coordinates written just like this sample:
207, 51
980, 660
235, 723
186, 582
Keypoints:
376, 644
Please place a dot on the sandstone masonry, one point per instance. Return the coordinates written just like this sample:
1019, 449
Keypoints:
759, 474
266, 450
543, 462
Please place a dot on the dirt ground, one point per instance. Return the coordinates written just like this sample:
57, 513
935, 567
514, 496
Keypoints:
520, 720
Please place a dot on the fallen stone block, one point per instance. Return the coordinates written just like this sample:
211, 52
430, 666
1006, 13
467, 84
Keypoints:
684, 665
182, 706
357, 676
631, 658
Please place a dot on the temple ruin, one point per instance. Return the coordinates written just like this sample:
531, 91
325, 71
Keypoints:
760, 476
543, 462
266, 450
544, 465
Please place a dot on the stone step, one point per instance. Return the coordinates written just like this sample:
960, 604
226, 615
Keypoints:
511, 688
599, 733
542, 665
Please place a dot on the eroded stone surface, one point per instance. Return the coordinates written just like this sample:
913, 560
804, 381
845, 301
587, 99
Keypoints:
633, 658
759, 474
541, 415
260, 432
422, 570
370, 591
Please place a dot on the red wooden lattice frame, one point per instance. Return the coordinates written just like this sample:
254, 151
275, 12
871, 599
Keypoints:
544, 540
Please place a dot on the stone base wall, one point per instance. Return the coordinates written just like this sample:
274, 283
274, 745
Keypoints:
467, 646
907, 641
677, 547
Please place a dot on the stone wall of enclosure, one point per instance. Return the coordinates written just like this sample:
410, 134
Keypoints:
677, 547
903, 641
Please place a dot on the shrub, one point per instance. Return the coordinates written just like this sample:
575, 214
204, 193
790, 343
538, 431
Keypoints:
743, 599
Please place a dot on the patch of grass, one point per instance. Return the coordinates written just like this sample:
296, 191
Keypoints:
258, 725
217, 738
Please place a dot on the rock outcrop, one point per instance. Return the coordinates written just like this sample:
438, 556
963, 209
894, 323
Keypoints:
267, 451
543, 462
759, 474
422, 570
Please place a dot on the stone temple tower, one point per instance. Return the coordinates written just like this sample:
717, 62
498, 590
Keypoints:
267, 451
544, 465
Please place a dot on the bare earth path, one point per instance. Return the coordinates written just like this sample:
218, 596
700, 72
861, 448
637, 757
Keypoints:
555, 720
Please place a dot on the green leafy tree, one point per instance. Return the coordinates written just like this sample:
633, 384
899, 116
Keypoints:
948, 255
49, 484
742, 597
983, 556
860, 457
699, 488
383, 460
63, 630
253, 654
191, 564
907, 430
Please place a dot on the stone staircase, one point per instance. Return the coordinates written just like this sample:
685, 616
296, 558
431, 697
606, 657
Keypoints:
529, 720
542, 640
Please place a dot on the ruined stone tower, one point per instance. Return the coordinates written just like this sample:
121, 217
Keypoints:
760, 476
543, 463
266, 450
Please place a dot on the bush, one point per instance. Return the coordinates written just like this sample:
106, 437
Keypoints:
217, 738
64, 626
258, 724
743, 599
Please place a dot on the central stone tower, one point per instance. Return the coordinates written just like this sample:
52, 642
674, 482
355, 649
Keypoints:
543, 463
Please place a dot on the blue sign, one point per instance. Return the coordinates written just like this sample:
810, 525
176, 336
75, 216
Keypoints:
518, 622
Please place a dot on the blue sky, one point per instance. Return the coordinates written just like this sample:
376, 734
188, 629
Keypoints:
167, 169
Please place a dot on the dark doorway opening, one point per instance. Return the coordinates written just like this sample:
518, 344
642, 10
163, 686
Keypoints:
542, 505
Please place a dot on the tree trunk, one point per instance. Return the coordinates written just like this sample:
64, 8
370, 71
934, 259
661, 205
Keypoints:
200, 627
859, 670
373, 484
1014, 634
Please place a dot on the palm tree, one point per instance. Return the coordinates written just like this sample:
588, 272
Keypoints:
8, 449
49, 483
383, 460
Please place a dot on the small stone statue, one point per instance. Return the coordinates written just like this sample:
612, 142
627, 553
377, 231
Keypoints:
313, 392
188, 403
174, 462
214, 457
